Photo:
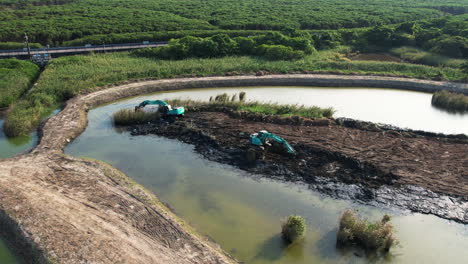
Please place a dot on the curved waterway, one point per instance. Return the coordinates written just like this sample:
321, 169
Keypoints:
243, 212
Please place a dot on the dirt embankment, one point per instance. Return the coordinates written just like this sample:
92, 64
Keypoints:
68, 210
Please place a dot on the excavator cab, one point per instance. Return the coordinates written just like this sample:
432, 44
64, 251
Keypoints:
160, 106
270, 140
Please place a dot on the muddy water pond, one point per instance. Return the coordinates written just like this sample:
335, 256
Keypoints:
243, 212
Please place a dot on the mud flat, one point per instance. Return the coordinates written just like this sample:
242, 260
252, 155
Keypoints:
63, 209
423, 172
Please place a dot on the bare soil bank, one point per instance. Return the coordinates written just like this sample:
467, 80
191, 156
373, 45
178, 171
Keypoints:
80, 211
69, 210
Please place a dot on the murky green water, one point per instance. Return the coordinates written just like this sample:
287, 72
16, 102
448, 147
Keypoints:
5, 255
243, 212
12, 146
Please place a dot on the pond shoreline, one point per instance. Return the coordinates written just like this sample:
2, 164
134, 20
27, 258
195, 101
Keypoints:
63, 181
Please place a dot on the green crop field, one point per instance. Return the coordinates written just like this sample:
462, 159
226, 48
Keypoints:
232, 37
55, 21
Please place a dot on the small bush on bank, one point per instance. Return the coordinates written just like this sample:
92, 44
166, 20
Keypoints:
450, 101
127, 117
294, 228
378, 236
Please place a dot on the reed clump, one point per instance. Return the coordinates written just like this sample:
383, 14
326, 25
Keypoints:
373, 237
450, 101
294, 228
127, 117
239, 103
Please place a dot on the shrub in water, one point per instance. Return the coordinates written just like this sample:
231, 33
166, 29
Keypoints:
293, 228
370, 236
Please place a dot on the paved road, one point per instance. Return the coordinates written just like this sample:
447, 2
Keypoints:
81, 49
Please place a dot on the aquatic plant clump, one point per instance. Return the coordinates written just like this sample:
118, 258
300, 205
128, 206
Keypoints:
223, 101
126, 117
450, 101
294, 228
378, 236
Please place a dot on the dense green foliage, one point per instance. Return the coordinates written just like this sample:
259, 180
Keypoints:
65, 77
18, 45
116, 38
450, 101
371, 236
273, 46
293, 228
15, 78
445, 36
52, 22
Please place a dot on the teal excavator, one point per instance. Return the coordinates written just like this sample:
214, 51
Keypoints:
265, 138
162, 107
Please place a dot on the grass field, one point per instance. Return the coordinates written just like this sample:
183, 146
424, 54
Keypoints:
68, 76
417, 55
16, 76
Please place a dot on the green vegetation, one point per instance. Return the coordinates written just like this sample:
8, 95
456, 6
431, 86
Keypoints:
464, 68
294, 228
238, 103
66, 77
450, 101
418, 55
16, 77
221, 102
127, 117
370, 236
158, 36
18, 45
53, 22
273, 46
446, 36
